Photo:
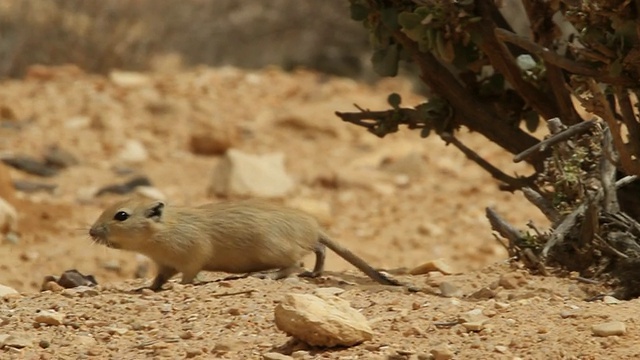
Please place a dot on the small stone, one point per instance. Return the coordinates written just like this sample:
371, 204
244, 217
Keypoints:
17, 341
44, 344
49, 317
501, 349
214, 139
6, 290
165, 308
609, 329
275, 356
129, 79
328, 291
116, 330
442, 352
565, 314
192, 352
474, 325
512, 280
133, 151
322, 322
85, 341
245, 174
610, 300
448, 289
51, 286
474, 315
80, 291
433, 265
235, 311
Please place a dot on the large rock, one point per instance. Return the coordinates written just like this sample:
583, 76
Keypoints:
251, 175
328, 321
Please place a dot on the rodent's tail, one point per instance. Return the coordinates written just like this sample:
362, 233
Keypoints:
358, 262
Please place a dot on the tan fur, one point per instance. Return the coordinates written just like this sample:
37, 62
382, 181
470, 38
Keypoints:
233, 237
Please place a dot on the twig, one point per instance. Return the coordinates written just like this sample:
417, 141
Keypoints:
550, 56
576, 129
541, 203
561, 230
234, 293
586, 281
610, 247
514, 183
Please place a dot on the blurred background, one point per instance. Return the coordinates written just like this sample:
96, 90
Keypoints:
167, 34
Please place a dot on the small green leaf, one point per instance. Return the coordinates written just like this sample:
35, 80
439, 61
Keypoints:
359, 12
394, 100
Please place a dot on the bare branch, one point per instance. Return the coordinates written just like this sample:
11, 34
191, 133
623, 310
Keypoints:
554, 139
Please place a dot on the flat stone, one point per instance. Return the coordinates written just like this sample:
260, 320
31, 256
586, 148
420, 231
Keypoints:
276, 356
6, 290
328, 321
49, 317
609, 328
449, 289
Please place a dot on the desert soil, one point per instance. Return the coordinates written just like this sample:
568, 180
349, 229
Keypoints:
398, 202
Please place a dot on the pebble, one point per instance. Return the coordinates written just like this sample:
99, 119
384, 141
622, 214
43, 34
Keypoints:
49, 317
442, 352
448, 289
329, 321
609, 328
243, 174
501, 349
610, 300
133, 151
275, 356
474, 325
512, 280
192, 352
6, 290
17, 341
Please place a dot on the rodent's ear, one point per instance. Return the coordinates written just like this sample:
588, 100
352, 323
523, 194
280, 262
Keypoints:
155, 211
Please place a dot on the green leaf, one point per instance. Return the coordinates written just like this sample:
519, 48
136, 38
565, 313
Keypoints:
359, 12
409, 20
385, 61
394, 100
389, 17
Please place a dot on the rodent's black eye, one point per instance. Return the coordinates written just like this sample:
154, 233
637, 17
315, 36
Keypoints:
121, 216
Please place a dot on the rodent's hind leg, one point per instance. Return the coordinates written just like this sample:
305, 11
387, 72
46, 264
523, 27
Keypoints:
164, 274
320, 251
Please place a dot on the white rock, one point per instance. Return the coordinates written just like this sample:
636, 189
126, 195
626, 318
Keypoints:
6, 290
133, 151
610, 300
17, 341
322, 322
129, 79
240, 173
8, 217
609, 329
276, 356
49, 317
442, 352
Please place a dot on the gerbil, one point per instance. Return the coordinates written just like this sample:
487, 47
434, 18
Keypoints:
234, 237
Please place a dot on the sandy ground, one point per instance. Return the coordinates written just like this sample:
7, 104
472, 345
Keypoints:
398, 202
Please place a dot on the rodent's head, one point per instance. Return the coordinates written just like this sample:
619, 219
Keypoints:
128, 224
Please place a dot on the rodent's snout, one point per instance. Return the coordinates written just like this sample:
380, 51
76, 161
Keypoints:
98, 233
